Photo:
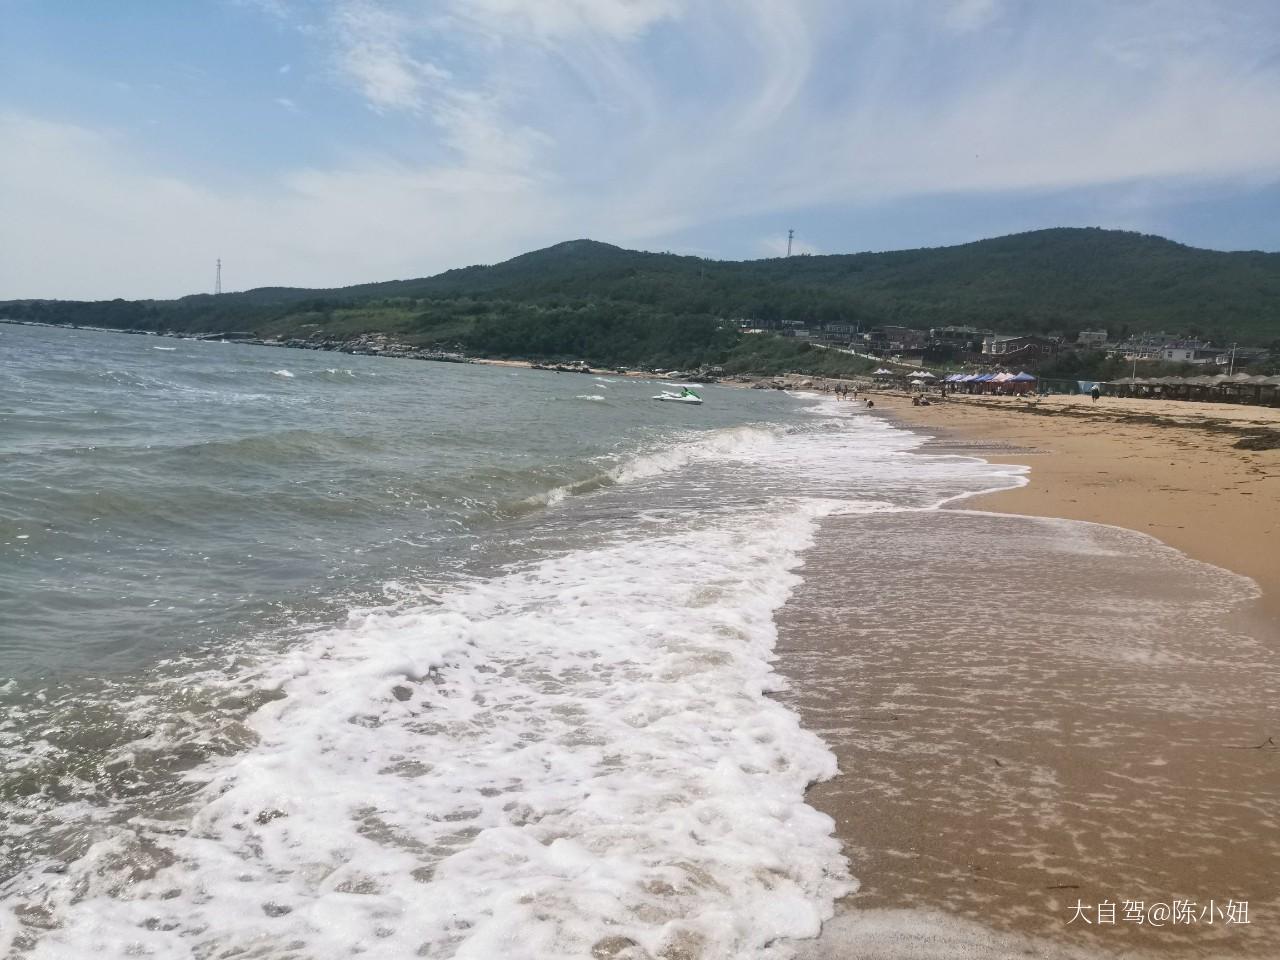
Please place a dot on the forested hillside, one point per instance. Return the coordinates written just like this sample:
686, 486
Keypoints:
592, 300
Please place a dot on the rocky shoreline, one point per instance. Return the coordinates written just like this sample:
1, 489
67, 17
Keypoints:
382, 345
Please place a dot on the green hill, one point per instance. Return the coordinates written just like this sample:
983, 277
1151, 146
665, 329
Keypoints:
593, 300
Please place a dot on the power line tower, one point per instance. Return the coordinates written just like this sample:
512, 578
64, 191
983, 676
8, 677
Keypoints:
790, 234
217, 283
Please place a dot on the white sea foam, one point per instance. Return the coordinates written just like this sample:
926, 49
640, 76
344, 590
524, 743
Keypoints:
575, 759
588, 396
667, 457
580, 756
283, 373
857, 456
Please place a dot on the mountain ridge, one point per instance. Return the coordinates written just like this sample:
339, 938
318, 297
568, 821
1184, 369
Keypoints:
1058, 280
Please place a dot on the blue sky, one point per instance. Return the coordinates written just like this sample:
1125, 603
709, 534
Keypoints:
326, 142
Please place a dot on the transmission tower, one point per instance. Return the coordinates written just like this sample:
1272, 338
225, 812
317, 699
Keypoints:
217, 283
790, 234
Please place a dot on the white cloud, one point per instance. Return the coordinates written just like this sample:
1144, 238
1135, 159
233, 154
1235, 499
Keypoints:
967, 15
287, 103
559, 19
509, 125
85, 217
374, 44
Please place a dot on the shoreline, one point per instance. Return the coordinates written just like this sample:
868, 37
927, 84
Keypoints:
381, 346
1020, 732
1168, 469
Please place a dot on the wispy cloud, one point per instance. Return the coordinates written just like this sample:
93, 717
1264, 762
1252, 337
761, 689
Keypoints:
374, 49
504, 124
567, 19
91, 220
968, 15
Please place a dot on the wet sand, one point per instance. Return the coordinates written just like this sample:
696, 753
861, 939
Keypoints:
1165, 468
1031, 714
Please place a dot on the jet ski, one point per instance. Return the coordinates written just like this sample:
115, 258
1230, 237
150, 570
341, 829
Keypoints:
684, 396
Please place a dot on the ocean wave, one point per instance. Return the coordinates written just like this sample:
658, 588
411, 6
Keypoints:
669, 455
577, 757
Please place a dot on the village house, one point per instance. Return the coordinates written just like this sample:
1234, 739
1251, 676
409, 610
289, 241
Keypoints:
891, 339
957, 337
1021, 347
1187, 351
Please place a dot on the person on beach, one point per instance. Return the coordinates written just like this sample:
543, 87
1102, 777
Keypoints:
1095, 393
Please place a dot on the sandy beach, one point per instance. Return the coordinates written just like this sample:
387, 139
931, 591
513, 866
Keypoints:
1027, 719
1165, 468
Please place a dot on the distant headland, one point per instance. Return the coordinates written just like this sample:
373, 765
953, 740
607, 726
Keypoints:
591, 301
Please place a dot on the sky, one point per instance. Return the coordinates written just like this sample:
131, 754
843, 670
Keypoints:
327, 142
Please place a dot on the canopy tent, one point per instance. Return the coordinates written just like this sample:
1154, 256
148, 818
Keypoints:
882, 372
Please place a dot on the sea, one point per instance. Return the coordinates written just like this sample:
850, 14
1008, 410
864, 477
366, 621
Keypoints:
312, 655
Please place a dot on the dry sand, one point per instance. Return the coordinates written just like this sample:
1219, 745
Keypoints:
1164, 468
1014, 735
